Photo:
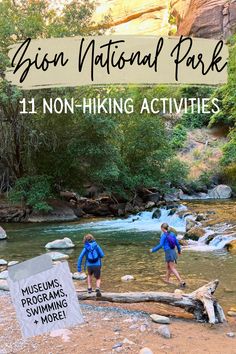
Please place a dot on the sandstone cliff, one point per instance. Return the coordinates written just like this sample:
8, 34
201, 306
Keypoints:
204, 18
199, 18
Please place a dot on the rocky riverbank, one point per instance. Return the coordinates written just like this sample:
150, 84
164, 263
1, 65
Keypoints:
118, 329
71, 206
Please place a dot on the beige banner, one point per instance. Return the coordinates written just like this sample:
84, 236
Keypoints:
76, 61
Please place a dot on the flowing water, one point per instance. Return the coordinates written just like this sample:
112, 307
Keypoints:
126, 243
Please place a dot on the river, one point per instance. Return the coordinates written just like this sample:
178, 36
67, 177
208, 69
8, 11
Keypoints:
126, 243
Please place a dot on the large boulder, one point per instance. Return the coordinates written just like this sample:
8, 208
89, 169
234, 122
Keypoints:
156, 214
63, 243
79, 276
61, 211
57, 256
3, 262
3, 234
222, 191
195, 233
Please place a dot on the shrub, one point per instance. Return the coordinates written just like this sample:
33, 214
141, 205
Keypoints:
179, 136
195, 120
33, 191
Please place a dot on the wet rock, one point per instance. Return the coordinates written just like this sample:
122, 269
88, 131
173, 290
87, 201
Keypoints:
201, 217
3, 262
156, 214
195, 233
230, 334
183, 242
231, 246
3, 234
149, 205
146, 351
79, 276
60, 244
190, 223
222, 191
57, 256
4, 274
160, 319
164, 331
4, 285
127, 278
172, 211
11, 263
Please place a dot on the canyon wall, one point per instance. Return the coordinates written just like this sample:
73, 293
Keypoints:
199, 18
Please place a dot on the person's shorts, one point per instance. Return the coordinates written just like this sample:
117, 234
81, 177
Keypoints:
171, 256
94, 270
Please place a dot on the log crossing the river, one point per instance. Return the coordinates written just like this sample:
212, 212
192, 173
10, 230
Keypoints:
201, 302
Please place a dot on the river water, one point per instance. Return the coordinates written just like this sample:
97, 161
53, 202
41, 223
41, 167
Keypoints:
126, 243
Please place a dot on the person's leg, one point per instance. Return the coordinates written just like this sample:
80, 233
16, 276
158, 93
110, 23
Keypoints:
174, 271
168, 272
98, 283
97, 274
89, 280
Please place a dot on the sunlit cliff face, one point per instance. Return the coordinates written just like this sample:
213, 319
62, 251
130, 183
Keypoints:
134, 17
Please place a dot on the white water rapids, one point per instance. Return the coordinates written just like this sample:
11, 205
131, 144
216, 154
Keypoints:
143, 222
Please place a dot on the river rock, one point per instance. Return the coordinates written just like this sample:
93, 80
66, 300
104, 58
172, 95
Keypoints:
127, 278
230, 334
195, 233
231, 246
183, 242
3, 262
190, 223
172, 211
146, 351
149, 205
160, 319
4, 285
231, 313
3, 234
200, 217
57, 256
156, 214
63, 243
222, 191
164, 331
172, 197
4, 274
79, 276
11, 263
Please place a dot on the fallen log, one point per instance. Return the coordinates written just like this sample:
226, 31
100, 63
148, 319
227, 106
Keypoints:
201, 302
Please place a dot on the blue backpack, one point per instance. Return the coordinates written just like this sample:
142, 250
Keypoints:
93, 255
171, 240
